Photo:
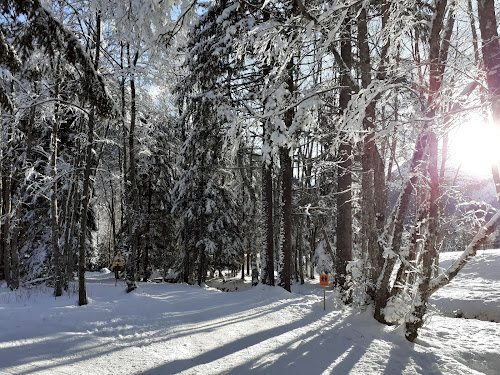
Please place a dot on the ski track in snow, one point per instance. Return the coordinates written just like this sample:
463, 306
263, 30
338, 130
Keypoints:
182, 329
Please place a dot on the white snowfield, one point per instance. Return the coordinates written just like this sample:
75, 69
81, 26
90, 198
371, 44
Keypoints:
181, 329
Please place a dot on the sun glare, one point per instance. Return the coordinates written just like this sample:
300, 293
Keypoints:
474, 147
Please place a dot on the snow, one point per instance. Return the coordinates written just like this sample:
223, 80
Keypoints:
163, 328
475, 292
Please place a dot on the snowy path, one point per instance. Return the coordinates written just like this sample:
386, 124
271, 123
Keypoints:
181, 329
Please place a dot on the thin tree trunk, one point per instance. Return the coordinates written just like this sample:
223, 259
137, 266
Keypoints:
53, 198
300, 252
72, 206
312, 251
82, 288
147, 248
113, 216
15, 274
186, 262
123, 153
133, 218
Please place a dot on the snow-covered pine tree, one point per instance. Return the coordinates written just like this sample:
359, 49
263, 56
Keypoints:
55, 42
203, 199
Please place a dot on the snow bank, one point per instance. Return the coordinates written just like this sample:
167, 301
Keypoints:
475, 292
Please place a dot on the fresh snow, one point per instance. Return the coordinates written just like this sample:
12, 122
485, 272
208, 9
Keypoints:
182, 329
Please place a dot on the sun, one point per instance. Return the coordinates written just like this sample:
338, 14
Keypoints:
474, 147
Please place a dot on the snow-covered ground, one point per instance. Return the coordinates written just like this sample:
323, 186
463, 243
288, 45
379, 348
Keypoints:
181, 329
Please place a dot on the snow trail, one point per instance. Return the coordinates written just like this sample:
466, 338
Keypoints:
182, 329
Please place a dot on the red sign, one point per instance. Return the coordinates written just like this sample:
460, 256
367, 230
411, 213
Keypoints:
323, 280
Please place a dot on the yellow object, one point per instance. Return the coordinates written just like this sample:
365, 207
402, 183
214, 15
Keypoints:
118, 260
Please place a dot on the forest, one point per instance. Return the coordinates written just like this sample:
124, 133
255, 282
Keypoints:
277, 139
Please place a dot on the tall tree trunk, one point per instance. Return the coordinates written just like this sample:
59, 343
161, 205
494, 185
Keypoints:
82, 288
344, 177
371, 165
112, 210
267, 197
123, 153
53, 197
286, 168
268, 238
286, 247
133, 218
71, 244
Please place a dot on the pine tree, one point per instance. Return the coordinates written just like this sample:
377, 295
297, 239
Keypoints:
202, 197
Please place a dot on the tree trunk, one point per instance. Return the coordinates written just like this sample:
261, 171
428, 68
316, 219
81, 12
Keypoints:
300, 251
437, 57
344, 177
148, 245
374, 204
201, 264
14, 255
415, 319
286, 250
267, 195
186, 262
124, 164
133, 219
268, 238
53, 198
312, 245
72, 206
82, 288
425, 145
286, 167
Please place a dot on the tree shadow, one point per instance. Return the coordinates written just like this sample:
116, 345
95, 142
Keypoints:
403, 355
48, 349
335, 342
